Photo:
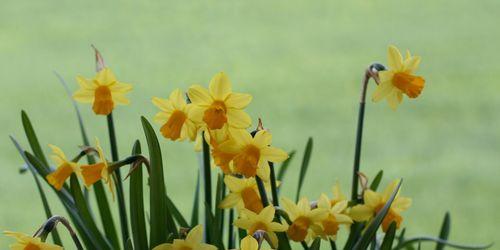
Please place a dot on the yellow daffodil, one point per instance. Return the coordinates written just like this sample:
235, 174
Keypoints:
192, 242
252, 154
374, 202
328, 227
399, 79
99, 171
221, 158
249, 243
64, 168
338, 196
103, 91
175, 118
25, 242
302, 218
253, 222
244, 194
218, 105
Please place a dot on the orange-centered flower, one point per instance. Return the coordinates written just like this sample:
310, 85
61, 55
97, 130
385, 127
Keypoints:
252, 154
399, 79
303, 218
174, 116
64, 168
244, 194
25, 242
99, 171
193, 241
218, 105
328, 227
103, 91
374, 202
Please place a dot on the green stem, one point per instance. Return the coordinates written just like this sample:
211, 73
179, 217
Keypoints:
262, 191
230, 239
207, 177
118, 180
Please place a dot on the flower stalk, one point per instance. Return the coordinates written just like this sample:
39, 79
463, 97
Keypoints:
51, 224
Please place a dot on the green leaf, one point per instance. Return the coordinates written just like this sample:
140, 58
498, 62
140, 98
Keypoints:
128, 245
371, 230
445, 231
214, 237
48, 213
100, 193
219, 193
137, 218
304, 166
316, 245
158, 203
412, 241
177, 215
284, 166
196, 202
84, 213
333, 245
376, 180
32, 138
389, 237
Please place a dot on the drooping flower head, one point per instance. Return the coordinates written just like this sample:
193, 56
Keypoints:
64, 168
103, 91
25, 242
303, 217
263, 221
399, 79
193, 241
218, 105
98, 171
328, 227
252, 154
374, 202
174, 116
244, 194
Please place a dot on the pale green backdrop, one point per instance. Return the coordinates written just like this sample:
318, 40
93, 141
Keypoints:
302, 61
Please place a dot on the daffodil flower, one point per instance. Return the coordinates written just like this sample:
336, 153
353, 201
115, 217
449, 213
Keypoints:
98, 171
328, 227
193, 241
103, 91
25, 242
338, 196
175, 117
249, 243
252, 154
303, 218
218, 105
374, 202
244, 194
254, 222
64, 168
399, 79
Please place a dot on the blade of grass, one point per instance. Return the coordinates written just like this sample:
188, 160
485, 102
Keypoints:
445, 231
389, 237
376, 181
371, 230
219, 195
196, 202
411, 241
176, 214
316, 245
215, 238
158, 203
32, 138
137, 218
207, 181
304, 166
284, 166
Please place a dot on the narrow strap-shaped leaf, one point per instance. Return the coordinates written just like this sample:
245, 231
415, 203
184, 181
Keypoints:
196, 203
129, 245
137, 218
100, 193
445, 231
284, 166
304, 166
376, 180
84, 213
219, 195
371, 230
48, 213
215, 238
207, 181
158, 203
412, 241
389, 237
32, 138
177, 215
333, 245
316, 245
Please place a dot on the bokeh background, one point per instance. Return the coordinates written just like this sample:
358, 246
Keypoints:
302, 61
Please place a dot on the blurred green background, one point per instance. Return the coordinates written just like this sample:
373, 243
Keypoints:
302, 61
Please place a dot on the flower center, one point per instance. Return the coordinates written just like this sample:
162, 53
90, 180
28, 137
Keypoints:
247, 161
31, 246
257, 226
92, 173
298, 230
103, 101
58, 177
215, 116
411, 85
251, 200
330, 225
389, 218
172, 128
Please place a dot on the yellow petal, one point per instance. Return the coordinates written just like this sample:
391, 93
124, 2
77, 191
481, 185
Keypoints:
238, 118
361, 213
120, 87
339, 207
382, 90
267, 214
393, 99
199, 96
371, 198
84, 95
274, 239
273, 154
161, 117
289, 207
234, 184
238, 100
119, 98
220, 86
163, 104
177, 99
195, 235
386, 195
85, 83
230, 201
394, 58
318, 214
401, 204
105, 77
343, 219
165, 246
249, 243
264, 171
323, 201
411, 64
263, 138
277, 227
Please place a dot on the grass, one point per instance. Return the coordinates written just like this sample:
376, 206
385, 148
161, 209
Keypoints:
303, 62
